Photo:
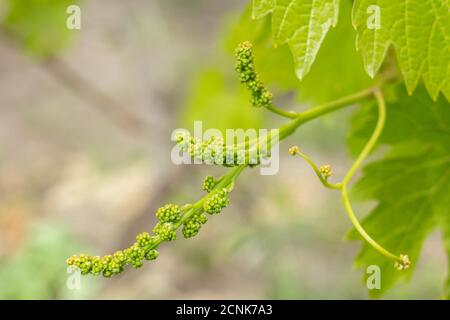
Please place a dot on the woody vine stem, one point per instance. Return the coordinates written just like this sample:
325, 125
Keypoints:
191, 217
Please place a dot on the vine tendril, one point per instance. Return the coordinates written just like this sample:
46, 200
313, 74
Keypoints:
402, 261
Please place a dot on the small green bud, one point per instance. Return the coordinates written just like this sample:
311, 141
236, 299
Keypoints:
168, 213
144, 239
212, 151
117, 262
325, 170
183, 140
216, 201
107, 273
105, 266
151, 255
97, 266
196, 149
193, 225
294, 150
404, 264
209, 183
135, 255
165, 231
82, 262
191, 229
201, 218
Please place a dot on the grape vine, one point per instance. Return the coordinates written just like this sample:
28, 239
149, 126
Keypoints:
191, 217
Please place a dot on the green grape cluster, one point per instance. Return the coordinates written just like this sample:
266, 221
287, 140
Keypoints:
110, 265
193, 225
193, 217
142, 249
166, 231
214, 151
169, 219
211, 151
213, 204
261, 96
209, 183
169, 213
216, 201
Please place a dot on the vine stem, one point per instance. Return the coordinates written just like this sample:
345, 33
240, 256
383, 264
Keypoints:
337, 104
324, 108
307, 116
301, 118
226, 181
280, 112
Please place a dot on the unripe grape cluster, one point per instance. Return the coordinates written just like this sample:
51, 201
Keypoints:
261, 97
165, 231
209, 183
216, 201
142, 249
110, 265
214, 150
213, 204
168, 213
169, 217
193, 225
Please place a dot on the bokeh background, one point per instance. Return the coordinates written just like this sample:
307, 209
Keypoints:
85, 123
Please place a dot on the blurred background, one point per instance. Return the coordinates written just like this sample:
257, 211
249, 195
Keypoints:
85, 123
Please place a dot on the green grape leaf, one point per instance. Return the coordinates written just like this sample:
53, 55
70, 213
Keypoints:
419, 30
262, 8
411, 183
303, 24
275, 65
338, 69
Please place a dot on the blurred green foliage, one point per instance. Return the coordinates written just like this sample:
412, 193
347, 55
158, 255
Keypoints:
38, 269
39, 25
218, 100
